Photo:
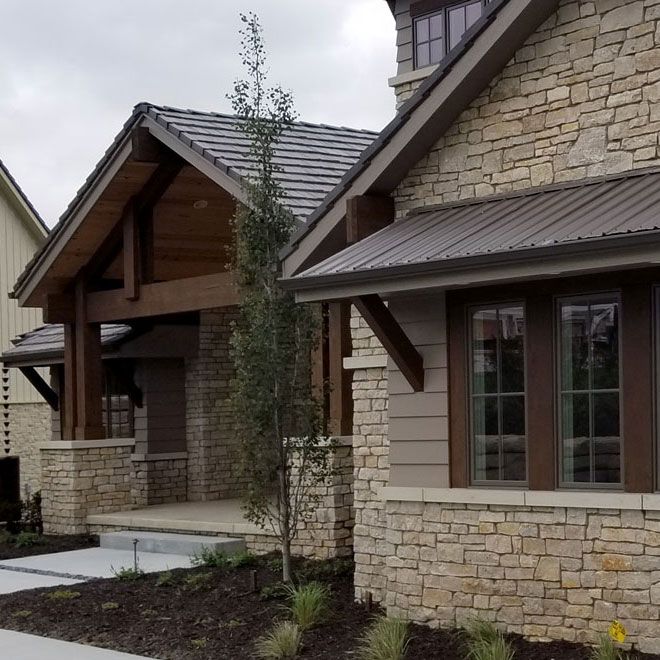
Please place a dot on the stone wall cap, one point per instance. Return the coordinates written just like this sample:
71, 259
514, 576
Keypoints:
411, 76
365, 362
171, 456
579, 499
59, 445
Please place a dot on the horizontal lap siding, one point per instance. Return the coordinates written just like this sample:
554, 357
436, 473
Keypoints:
404, 51
418, 428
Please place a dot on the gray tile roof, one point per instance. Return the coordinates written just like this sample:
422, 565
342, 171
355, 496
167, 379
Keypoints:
313, 157
541, 218
47, 343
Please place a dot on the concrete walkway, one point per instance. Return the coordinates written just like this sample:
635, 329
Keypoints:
65, 568
19, 646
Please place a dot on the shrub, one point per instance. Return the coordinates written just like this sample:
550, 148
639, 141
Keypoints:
282, 642
211, 557
62, 594
199, 644
166, 579
274, 591
242, 559
308, 604
109, 606
31, 513
606, 650
197, 581
486, 642
27, 539
385, 639
127, 574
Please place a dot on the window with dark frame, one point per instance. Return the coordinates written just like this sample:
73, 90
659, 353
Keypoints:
497, 394
118, 413
589, 390
437, 32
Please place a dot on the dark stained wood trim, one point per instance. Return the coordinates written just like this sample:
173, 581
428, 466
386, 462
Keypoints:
131, 256
540, 392
340, 385
458, 395
39, 384
367, 214
145, 148
162, 298
638, 393
393, 338
59, 308
68, 386
89, 372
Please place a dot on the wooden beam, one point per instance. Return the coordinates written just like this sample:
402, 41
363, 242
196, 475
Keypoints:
367, 214
162, 298
393, 338
131, 256
341, 389
145, 148
59, 308
89, 372
39, 384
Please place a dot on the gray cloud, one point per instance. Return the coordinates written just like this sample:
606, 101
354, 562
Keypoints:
72, 70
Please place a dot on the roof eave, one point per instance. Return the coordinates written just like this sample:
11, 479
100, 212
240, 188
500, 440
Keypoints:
563, 259
29, 212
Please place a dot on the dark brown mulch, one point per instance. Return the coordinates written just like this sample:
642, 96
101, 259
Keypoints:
207, 613
45, 545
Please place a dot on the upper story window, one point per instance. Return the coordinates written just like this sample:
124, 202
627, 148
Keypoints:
438, 31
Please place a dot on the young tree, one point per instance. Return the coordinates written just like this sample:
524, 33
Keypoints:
278, 418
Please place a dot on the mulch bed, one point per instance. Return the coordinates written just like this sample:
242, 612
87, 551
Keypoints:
45, 545
211, 613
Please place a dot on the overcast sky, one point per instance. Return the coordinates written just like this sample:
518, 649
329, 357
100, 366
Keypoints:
72, 70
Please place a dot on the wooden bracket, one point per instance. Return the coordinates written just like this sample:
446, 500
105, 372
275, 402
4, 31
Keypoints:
393, 338
367, 214
47, 392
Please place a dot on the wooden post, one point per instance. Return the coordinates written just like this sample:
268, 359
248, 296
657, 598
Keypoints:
68, 387
339, 347
131, 256
89, 372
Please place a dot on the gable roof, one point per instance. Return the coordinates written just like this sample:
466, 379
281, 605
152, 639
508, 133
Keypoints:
29, 212
533, 224
482, 53
313, 158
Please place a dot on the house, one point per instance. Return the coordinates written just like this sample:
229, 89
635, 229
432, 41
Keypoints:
138, 298
505, 334
25, 417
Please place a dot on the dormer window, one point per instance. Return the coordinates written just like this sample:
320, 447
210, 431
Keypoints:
437, 30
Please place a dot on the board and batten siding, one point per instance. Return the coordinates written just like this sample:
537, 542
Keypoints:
18, 243
418, 421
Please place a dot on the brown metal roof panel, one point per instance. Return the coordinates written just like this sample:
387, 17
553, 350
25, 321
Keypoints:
552, 215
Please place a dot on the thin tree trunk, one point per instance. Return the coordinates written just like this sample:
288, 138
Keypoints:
285, 528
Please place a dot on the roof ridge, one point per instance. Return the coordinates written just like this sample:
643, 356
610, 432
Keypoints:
211, 113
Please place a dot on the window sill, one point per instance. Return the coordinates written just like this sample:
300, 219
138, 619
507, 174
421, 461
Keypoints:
86, 444
412, 76
515, 497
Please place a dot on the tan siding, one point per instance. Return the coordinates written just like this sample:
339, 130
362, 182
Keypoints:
404, 56
17, 245
418, 428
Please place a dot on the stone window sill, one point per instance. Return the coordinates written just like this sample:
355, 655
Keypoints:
87, 444
412, 76
569, 499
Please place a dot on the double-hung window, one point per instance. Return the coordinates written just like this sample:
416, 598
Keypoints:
497, 393
437, 32
589, 390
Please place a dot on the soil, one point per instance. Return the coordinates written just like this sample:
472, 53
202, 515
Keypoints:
44, 545
214, 613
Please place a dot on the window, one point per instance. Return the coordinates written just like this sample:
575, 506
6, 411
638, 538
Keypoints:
497, 393
436, 33
117, 408
589, 390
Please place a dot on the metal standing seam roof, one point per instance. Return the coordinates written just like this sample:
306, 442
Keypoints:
313, 157
547, 217
47, 342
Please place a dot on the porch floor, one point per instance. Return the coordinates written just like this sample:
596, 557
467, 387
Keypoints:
217, 517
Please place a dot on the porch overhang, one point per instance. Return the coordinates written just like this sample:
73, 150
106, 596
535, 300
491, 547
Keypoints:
604, 224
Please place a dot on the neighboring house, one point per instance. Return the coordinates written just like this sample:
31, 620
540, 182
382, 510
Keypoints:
135, 284
25, 416
505, 443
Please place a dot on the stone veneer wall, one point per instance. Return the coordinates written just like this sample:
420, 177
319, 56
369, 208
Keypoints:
81, 480
581, 98
561, 573
213, 464
157, 480
29, 427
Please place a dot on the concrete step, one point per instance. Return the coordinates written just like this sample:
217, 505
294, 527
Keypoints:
168, 543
